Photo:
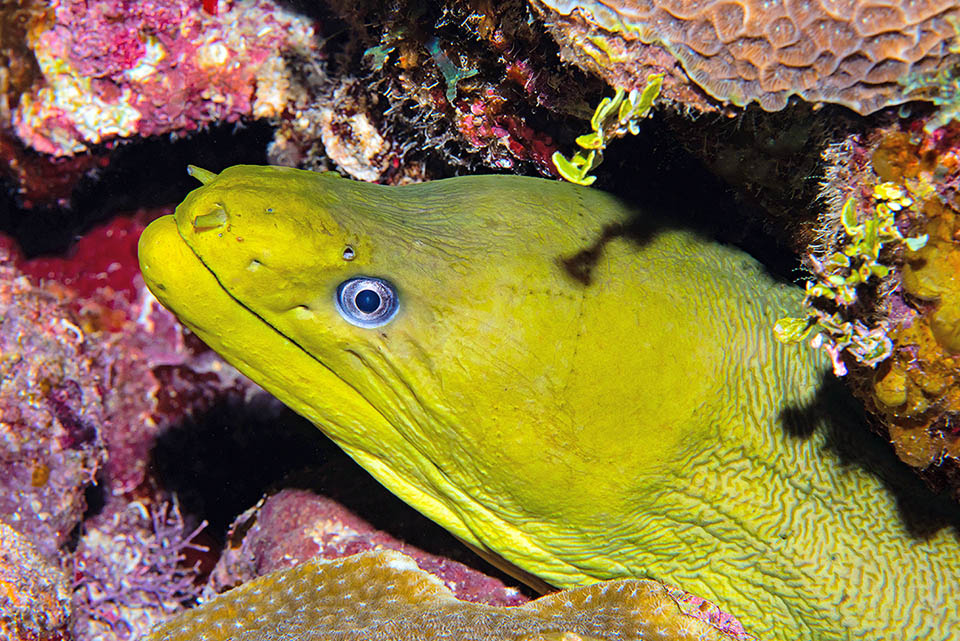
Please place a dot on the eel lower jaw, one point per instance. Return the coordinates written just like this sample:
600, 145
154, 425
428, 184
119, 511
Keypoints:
186, 286
183, 283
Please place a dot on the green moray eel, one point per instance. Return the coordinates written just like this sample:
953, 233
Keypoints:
563, 383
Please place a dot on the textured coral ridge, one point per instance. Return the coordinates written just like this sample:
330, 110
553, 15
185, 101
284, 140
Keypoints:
849, 52
383, 594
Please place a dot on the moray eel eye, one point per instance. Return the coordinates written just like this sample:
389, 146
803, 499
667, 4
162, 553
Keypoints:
367, 302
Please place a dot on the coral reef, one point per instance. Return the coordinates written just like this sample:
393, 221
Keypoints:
147, 374
34, 594
384, 593
851, 53
468, 84
771, 161
293, 525
335, 126
51, 414
89, 383
910, 177
121, 69
100, 386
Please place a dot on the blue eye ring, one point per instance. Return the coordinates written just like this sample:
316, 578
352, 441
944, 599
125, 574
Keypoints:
366, 301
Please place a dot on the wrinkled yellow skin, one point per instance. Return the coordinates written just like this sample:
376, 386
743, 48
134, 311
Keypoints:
620, 419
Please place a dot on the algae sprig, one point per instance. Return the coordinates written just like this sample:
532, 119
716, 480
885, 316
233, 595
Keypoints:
613, 118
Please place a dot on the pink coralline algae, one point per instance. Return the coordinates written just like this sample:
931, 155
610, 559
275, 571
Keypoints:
486, 125
119, 68
100, 271
295, 525
51, 414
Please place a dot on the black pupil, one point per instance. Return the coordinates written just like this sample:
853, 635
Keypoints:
367, 301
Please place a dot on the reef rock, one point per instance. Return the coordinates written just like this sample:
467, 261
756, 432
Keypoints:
34, 595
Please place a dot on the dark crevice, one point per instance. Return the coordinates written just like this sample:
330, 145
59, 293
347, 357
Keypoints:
146, 173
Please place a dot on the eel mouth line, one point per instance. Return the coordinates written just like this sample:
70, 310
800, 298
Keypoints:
211, 310
276, 332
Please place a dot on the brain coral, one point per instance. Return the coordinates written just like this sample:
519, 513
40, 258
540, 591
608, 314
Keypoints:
850, 52
383, 595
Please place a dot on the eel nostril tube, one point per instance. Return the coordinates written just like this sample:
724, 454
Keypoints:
215, 218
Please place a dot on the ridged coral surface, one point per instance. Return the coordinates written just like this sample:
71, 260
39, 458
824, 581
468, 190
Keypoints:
384, 595
850, 52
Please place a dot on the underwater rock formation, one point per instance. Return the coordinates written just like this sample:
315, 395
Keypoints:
470, 84
334, 124
88, 382
120, 69
152, 376
910, 311
51, 414
34, 593
383, 594
849, 52
293, 525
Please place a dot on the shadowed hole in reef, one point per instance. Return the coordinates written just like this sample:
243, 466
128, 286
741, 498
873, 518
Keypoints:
654, 173
143, 173
222, 461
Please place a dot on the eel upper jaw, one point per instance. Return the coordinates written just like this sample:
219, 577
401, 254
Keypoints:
184, 284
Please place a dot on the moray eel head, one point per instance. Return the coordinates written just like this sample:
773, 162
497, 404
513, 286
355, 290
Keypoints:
552, 376
539, 368
502, 365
